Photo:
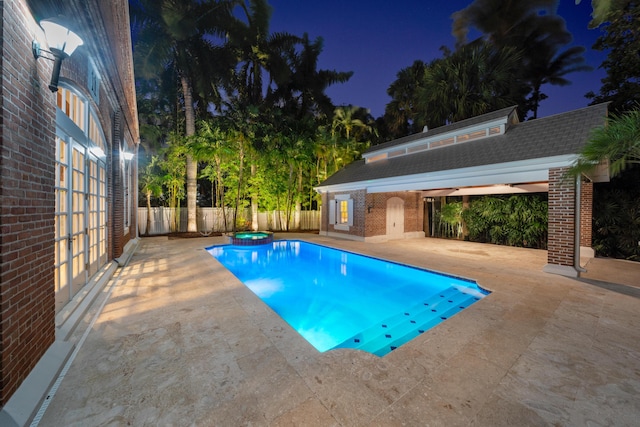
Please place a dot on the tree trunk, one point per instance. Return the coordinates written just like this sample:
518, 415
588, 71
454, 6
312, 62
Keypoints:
298, 211
241, 156
192, 165
254, 202
148, 229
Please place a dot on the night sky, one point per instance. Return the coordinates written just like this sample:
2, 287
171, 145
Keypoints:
376, 38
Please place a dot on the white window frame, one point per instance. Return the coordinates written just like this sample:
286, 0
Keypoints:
335, 212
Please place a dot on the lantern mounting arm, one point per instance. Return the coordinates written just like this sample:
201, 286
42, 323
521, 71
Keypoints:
38, 52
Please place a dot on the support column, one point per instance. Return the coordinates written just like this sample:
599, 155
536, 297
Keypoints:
586, 220
561, 248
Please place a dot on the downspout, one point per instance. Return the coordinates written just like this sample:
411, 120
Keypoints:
135, 190
576, 244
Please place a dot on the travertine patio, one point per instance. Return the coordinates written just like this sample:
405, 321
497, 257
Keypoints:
180, 341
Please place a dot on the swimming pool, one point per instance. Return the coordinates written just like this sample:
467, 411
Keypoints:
338, 299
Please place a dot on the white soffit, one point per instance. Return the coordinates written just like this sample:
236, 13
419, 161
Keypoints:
522, 171
539, 187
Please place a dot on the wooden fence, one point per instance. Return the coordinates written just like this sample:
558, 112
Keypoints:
212, 220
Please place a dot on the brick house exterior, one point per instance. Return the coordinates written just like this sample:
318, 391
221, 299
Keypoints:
489, 154
61, 166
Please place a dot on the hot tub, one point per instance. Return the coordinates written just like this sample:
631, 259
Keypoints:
251, 238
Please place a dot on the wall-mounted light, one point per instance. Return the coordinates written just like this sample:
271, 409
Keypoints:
127, 156
62, 43
369, 208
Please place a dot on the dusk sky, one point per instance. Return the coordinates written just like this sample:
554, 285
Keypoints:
376, 38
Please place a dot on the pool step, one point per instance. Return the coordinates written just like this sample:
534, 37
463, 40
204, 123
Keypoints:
425, 320
396, 330
401, 318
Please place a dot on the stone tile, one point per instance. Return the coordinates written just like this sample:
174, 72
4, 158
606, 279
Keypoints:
612, 403
422, 407
497, 346
275, 385
308, 413
182, 342
343, 392
500, 412
542, 388
466, 382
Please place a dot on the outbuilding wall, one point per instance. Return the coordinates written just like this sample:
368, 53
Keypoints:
376, 213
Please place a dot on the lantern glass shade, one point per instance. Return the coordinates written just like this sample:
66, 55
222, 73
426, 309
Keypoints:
60, 39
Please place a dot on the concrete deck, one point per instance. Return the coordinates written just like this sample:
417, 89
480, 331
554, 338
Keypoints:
180, 341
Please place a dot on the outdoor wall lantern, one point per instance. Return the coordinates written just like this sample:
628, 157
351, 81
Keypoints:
128, 156
62, 43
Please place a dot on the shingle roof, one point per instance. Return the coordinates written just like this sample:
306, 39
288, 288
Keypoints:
555, 135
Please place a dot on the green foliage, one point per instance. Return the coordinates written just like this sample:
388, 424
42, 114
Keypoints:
474, 80
620, 37
403, 115
515, 220
174, 166
533, 28
616, 217
618, 143
450, 220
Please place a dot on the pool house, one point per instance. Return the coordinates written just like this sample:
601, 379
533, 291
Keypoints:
390, 192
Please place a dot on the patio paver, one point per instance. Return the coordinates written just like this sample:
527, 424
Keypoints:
180, 341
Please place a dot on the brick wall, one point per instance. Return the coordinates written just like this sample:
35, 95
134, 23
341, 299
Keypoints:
561, 222
116, 212
27, 175
586, 214
376, 217
324, 213
27, 202
358, 227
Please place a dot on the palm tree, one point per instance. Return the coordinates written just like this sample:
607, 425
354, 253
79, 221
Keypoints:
618, 142
474, 80
549, 67
402, 115
499, 20
303, 93
176, 35
344, 118
211, 146
532, 27
257, 51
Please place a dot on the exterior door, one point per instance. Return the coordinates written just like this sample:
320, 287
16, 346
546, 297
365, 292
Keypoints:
62, 223
395, 218
78, 229
70, 220
97, 219
80, 219
81, 196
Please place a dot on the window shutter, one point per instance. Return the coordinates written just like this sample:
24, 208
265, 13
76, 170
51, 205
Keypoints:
332, 211
350, 211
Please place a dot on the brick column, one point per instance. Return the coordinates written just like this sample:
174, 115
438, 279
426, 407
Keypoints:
561, 224
324, 214
586, 219
117, 188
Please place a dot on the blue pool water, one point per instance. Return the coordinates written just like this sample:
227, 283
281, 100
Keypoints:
338, 299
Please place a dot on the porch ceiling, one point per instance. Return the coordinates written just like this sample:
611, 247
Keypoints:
538, 187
